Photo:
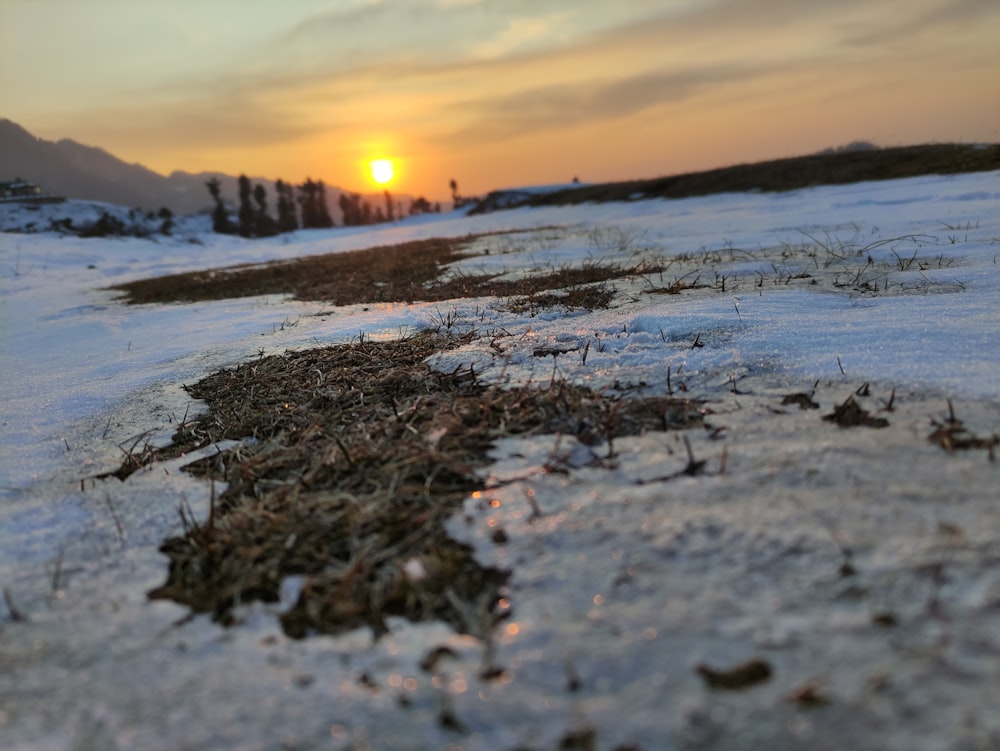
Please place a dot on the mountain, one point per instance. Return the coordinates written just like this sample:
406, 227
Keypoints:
70, 169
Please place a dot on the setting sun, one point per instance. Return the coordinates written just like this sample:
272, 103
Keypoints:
382, 170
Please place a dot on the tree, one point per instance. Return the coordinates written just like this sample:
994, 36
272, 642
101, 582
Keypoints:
355, 213
420, 205
346, 207
457, 200
168, 220
220, 217
287, 220
312, 199
390, 211
264, 225
323, 218
247, 215
307, 202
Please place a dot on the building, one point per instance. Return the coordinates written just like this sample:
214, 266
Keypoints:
21, 191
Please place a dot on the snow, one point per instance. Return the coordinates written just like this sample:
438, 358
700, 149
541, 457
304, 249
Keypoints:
624, 583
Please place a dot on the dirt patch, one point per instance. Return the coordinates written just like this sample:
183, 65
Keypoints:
352, 458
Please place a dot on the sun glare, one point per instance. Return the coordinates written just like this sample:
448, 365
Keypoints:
382, 170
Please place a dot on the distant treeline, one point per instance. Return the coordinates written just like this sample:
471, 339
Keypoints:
302, 206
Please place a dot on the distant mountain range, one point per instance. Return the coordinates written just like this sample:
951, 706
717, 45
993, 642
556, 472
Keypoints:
70, 169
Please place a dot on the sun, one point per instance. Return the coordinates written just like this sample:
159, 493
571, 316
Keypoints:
382, 170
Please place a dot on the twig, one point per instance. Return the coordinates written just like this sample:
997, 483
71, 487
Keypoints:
15, 614
116, 518
57, 572
892, 398
343, 448
529, 495
694, 466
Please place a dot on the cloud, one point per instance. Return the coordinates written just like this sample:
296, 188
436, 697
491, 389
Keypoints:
196, 124
324, 21
947, 15
518, 34
558, 106
449, 32
744, 41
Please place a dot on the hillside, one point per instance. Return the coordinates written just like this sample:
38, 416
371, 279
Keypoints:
833, 168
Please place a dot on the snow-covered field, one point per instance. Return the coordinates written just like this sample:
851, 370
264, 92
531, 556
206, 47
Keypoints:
626, 582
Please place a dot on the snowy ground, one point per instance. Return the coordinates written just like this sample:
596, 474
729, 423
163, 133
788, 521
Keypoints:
628, 580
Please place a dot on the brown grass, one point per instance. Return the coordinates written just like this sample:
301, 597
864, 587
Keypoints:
394, 273
359, 453
951, 435
407, 272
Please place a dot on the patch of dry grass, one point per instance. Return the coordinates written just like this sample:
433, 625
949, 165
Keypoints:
392, 273
359, 454
406, 272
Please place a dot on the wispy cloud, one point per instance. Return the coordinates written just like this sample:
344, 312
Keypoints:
203, 124
521, 33
560, 106
926, 18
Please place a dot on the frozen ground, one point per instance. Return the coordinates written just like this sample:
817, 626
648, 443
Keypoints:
633, 574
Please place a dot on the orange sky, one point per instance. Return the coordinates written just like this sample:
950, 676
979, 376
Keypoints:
495, 94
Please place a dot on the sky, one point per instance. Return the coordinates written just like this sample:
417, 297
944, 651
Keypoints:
495, 94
